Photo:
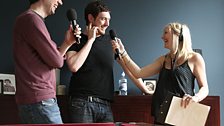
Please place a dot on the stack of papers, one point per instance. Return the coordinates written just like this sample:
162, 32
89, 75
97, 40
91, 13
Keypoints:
195, 114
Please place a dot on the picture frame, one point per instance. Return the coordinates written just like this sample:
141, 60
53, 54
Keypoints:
8, 84
1, 87
150, 84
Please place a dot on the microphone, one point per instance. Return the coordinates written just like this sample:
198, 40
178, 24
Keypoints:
72, 17
113, 36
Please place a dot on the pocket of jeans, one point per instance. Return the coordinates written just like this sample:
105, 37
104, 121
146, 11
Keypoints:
49, 102
78, 103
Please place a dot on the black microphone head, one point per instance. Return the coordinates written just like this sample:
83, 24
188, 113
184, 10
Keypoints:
71, 14
113, 35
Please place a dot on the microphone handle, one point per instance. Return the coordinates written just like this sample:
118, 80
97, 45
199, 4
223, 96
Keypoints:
116, 55
73, 27
77, 40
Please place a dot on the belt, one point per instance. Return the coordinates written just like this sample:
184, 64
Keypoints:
92, 99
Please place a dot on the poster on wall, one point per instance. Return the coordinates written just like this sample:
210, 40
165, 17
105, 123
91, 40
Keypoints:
8, 83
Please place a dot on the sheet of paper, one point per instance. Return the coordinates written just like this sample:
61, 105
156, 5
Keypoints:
195, 114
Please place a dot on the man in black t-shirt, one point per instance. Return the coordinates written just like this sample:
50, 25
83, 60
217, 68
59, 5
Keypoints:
91, 86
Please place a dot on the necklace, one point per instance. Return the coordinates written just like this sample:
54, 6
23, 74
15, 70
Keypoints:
173, 61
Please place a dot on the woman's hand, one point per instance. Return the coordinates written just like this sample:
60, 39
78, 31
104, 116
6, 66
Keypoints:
187, 99
117, 44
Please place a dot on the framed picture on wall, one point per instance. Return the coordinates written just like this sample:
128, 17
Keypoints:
8, 83
1, 87
150, 84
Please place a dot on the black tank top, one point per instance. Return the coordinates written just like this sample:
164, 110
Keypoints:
178, 81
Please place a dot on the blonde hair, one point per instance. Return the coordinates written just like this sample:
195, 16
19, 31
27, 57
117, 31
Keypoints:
184, 47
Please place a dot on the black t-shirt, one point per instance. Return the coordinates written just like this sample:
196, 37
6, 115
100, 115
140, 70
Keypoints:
95, 77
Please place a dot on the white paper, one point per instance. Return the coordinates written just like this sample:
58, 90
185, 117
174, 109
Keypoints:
195, 114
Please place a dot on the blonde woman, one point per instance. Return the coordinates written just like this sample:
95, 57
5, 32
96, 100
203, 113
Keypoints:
177, 69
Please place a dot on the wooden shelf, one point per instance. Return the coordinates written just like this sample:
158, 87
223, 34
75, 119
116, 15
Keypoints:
125, 109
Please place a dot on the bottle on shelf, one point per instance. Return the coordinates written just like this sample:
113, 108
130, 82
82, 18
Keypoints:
123, 85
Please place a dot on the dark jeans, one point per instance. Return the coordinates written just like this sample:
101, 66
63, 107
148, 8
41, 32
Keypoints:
90, 110
44, 112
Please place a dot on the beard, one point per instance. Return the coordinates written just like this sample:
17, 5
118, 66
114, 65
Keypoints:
101, 32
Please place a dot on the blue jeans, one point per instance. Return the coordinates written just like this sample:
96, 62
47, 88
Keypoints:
84, 110
44, 112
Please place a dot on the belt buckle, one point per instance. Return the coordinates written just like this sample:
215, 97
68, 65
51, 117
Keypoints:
90, 98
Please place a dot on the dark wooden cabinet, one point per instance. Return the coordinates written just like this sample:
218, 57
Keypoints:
125, 109
132, 109
138, 109
8, 110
